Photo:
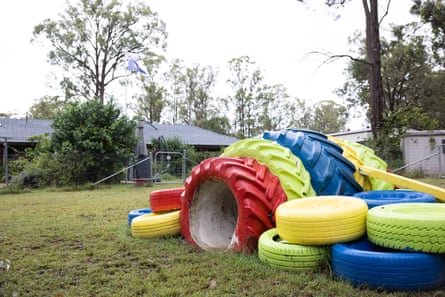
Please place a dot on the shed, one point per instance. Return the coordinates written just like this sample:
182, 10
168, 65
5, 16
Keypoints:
424, 151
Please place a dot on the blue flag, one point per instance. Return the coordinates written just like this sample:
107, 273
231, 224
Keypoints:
134, 66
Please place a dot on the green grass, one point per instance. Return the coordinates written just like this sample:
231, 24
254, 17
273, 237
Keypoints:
79, 244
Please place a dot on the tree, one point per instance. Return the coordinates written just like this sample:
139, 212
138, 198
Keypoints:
91, 140
410, 88
433, 13
372, 60
246, 83
274, 109
191, 99
198, 82
328, 117
91, 40
46, 107
151, 102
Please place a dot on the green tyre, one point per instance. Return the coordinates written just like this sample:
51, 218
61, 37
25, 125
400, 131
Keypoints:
408, 226
281, 254
294, 178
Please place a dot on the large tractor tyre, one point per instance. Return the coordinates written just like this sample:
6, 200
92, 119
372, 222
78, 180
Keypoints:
377, 198
136, 213
156, 225
281, 254
228, 203
294, 178
331, 173
364, 264
166, 199
352, 156
321, 221
408, 226
370, 159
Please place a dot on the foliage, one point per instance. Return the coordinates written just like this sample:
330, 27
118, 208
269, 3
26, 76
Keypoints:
46, 107
91, 39
151, 102
245, 81
90, 141
191, 101
79, 244
432, 13
328, 117
412, 92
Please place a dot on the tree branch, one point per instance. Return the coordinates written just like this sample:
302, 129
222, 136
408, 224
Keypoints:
332, 58
386, 12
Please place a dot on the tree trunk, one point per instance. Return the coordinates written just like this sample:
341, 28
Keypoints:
373, 57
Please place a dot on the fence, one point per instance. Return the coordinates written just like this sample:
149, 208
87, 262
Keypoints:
170, 167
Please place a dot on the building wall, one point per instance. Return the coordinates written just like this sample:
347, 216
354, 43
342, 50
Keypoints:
427, 145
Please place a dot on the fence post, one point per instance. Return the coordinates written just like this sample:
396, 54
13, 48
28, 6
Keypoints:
5, 160
439, 157
184, 167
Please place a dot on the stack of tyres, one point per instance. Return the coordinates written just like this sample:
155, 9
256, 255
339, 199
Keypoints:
163, 220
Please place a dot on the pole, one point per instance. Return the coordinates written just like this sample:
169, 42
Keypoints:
5, 160
184, 167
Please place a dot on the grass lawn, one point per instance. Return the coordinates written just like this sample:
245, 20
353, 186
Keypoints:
79, 244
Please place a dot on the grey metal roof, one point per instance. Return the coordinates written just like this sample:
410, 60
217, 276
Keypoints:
19, 131
187, 134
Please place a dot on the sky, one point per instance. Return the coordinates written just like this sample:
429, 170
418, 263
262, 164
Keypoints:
278, 35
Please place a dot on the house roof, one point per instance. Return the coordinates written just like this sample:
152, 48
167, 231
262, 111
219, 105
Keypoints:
20, 130
188, 134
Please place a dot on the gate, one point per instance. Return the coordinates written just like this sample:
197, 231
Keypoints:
169, 167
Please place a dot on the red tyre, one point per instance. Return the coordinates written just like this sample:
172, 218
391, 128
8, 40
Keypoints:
228, 203
166, 200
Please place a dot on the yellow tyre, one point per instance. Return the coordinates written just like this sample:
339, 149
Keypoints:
156, 225
321, 221
352, 156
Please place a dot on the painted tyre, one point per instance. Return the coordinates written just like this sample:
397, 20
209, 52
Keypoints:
166, 200
352, 156
137, 212
281, 254
294, 178
363, 263
377, 198
331, 173
228, 203
322, 221
370, 159
156, 225
408, 226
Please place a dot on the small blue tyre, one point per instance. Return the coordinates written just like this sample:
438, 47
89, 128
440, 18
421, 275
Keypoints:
137, 212
331, 173
363, 263
377, 198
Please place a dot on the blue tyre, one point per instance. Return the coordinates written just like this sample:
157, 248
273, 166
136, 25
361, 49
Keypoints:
363, 263
377, 198
331, 173
137, 212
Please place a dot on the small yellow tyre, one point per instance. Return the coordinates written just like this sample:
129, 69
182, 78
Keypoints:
281, 254
156, 225
321, 221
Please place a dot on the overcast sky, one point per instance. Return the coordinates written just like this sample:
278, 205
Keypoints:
278, 35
